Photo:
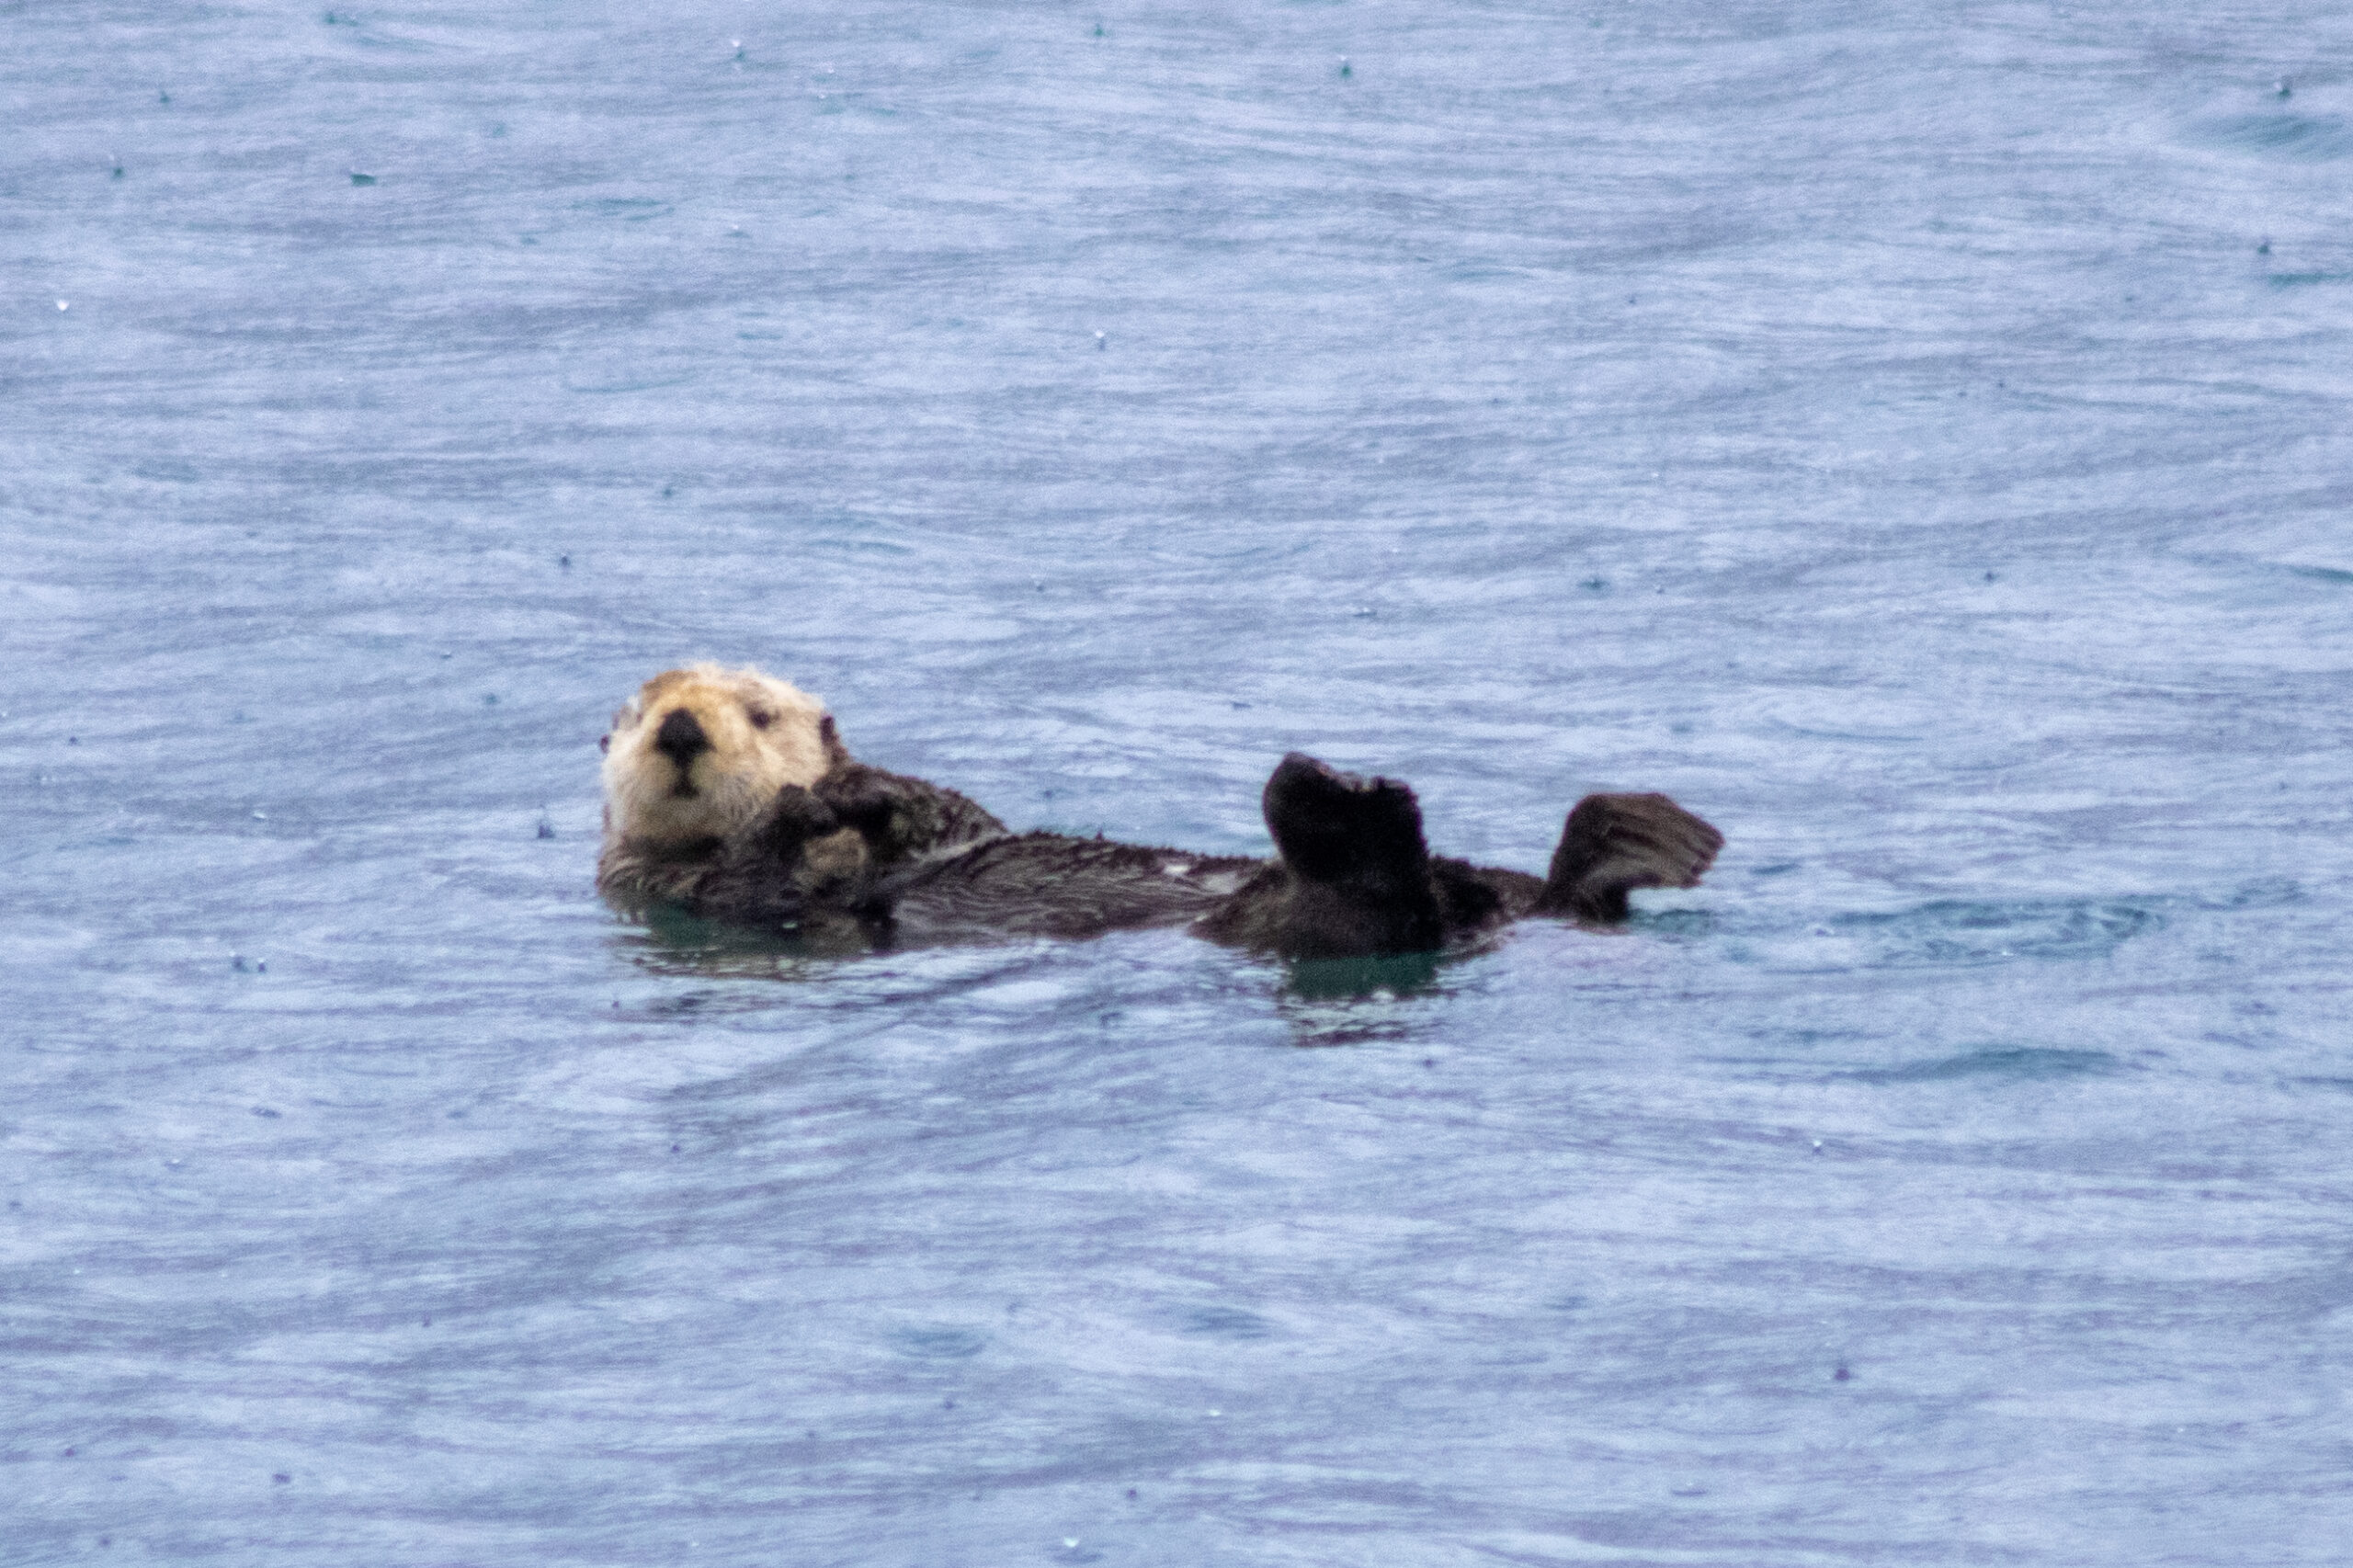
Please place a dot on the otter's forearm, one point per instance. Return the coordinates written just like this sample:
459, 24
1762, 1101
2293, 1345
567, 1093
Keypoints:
798, 857
901, 818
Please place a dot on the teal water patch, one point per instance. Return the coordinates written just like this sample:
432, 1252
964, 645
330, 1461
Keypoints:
1963, 932
2306, 138
626, 384
831, 535
1383, 1001
1675, 922
628, 208
937, 1343
2020, 1063
1809, 1037
846, 547
1859, 737
673, 942
2306, 279
1226, 1323
2263, 892
1403, 974
678, 934
2323, 574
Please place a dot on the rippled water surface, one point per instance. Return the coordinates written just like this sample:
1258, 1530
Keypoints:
1916, 437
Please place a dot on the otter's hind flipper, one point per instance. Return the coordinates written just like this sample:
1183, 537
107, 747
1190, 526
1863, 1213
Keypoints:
1613, 844
1330, 826
1354, 874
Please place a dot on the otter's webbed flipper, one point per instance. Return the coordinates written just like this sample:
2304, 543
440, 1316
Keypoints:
1354, 875
1613, 844
1334, 827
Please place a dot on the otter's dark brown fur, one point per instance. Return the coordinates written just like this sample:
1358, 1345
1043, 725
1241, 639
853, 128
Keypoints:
1352, 876
1053, 884
789, 866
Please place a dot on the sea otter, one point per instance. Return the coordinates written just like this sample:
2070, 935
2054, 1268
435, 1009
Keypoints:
730, 794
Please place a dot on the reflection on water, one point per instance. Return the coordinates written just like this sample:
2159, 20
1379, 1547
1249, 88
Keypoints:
674, 942
1395, 975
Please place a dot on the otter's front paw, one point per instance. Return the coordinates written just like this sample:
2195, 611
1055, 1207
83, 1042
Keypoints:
796, 863
1613, 844
792, 819
866, 799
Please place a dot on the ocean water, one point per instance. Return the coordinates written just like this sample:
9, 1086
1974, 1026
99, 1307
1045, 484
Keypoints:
1919, 438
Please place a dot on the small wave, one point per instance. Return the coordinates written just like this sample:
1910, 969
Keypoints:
1226, 1323
625, 384
2264, 892
2014, 1063
628, 208
2307, 138
1963, 932
937, 1342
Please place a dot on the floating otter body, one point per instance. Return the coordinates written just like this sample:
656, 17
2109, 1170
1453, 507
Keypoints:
833, 845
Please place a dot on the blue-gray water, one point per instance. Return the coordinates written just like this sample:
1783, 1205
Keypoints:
1919, 438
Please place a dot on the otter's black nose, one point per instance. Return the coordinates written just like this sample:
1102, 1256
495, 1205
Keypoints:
680, 738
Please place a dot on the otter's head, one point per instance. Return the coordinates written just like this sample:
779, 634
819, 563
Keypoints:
699, 753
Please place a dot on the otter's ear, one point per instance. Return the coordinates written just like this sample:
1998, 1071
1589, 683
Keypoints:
836, 753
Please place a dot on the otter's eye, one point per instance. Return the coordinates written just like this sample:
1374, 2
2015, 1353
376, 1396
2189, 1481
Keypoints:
762, 718
605, 742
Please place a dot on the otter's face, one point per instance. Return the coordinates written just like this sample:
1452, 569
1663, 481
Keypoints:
700, 752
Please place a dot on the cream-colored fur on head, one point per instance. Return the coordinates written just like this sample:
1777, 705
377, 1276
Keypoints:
762, 734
